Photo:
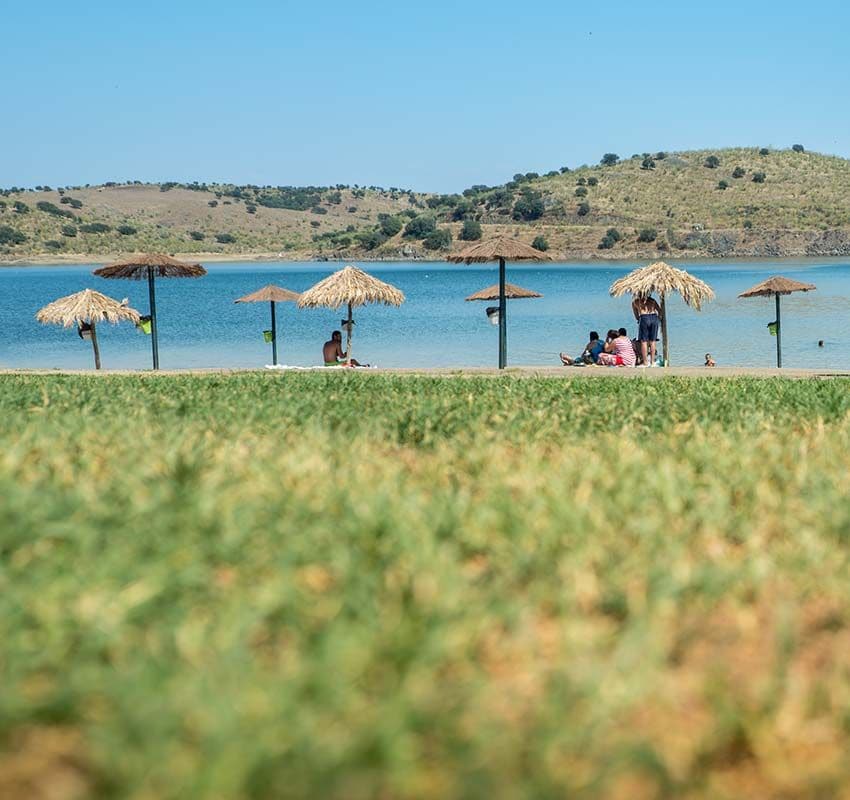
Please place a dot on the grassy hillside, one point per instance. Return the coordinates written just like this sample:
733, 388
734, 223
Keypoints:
732, 202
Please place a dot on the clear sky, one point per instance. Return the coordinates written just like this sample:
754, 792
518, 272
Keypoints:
434, 96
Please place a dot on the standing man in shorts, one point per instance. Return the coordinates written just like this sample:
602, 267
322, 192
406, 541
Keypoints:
648, 315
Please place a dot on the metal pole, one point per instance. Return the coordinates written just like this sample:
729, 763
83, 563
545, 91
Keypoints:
778, 336
664, 330
503, 307
152, 296
274, 337
94, 346
348, 336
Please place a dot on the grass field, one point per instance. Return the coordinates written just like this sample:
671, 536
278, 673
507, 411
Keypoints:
358, 586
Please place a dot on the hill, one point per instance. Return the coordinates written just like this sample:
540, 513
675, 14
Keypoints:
745, 202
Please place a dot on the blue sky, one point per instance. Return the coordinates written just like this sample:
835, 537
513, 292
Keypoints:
434, 96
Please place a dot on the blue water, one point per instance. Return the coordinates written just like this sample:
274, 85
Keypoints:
200, 326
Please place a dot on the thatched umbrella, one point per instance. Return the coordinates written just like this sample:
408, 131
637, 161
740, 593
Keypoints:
87, 308
777, 286
512, 292
500, 249
352, 287
271, 294
151, 266
662, 279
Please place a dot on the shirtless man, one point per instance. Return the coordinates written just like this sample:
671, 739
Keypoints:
648, 314
333, 354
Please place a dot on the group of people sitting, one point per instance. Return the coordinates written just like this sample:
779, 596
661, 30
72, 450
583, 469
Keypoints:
618, 349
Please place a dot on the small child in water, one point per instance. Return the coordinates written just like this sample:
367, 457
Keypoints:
709, 361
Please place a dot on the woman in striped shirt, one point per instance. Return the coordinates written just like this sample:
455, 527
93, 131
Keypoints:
619, 351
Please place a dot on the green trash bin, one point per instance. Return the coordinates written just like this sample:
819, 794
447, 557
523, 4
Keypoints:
773, 327
268, 336
144, 325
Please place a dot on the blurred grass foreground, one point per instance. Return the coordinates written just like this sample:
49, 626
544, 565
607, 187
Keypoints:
358, 586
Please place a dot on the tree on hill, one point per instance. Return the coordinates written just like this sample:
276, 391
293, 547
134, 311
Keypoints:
759, 177
580, 191
126, 230
798, 148
611, 237
540, 244
529, 206
225, 238
8, 235
69, 230
419, 227
593, 181
198, 236
739, 172
712, 162
764, 151
20, 207
583, 210
647, 235
647, 163
95, 227
438, 240
390, 226
609, 159
471, 231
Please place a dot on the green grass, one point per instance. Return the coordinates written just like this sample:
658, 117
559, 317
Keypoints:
358, 586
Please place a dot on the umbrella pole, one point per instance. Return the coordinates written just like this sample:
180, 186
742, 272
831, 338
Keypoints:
348, 337
152, 296
664, 330
778, 335
274, 336
503, 330
94, 345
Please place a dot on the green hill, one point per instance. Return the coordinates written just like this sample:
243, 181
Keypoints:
745, 202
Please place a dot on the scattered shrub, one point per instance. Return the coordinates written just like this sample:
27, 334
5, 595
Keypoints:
390, 226
798, 148
583, 210
95, 227
20, 207
529, 206
580, 182
581, 192
593, 181
225, 238
69, 230
53, 244
739, 172
759, 177
371, 239
647, 163
9, 235
318, 210
438, 240
419, 227
335, 198
764, 151
748, 224
609, 159
660, 155
647, 235
352, 209
471, 231
50, 208
212, 203
250, 208
722, 185
540, 244
611, 237
126, 230
198, 236
315, 223
712, 162
164, 187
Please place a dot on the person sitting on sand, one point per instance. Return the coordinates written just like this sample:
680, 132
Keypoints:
333, 354
709, 361
590, 355
648, 315
618, 351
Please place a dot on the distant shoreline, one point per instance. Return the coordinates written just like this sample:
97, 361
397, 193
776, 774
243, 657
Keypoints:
272, 258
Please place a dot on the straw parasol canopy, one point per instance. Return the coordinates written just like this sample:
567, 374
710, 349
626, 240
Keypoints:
351, 287
662, 279
512, 292
151, 266
501, 249
777, 286
271, 294
84, 310
497, 249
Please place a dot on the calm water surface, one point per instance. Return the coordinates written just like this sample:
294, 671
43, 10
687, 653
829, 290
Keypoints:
200, 326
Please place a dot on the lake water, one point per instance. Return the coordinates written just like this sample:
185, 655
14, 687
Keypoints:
200, 326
